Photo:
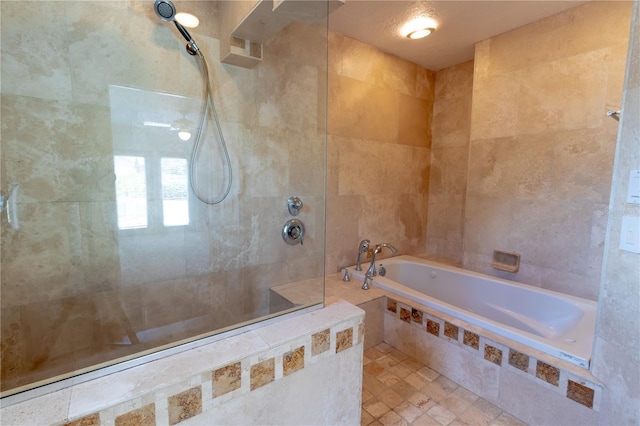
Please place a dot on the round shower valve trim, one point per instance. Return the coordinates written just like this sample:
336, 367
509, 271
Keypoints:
293, 232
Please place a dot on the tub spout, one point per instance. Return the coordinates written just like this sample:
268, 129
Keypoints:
371, 272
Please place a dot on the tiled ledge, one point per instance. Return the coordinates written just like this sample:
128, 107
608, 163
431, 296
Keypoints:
178, 387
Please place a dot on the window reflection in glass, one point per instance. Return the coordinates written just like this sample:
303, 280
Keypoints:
175, 201
131, 191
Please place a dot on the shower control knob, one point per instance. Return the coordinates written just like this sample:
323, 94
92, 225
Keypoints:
294, 204
293, 232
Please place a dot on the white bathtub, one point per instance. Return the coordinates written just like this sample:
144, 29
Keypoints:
560, 325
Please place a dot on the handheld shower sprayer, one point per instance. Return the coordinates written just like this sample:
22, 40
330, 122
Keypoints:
167, 12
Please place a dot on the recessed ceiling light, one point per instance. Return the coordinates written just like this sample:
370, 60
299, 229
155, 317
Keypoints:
418, 28
188, 20
420, 33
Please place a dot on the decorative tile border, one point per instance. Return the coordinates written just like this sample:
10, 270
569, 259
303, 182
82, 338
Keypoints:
92, 420
518, 360
564, 382
263, 373
187, 399
344, 339
471, 339
145, 416
185, 405
320, 342
547, 373
226, 379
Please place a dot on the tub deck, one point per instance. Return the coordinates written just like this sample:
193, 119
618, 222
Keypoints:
494, 367
336, 290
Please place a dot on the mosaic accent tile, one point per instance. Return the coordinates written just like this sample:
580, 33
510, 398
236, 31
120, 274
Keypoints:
185, 405
263, 373
145, 416
547, 373
226, 379
405, 315
471, 339
451, 331
360, 332
416, 315
320, 342
493, 354
433, 327
293, 361
92, 420
392, 305
580, 393
518, 360
344, 339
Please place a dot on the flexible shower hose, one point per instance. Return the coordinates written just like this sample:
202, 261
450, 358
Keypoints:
206, 106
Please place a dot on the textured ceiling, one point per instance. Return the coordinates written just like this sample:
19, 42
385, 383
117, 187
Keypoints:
461, 24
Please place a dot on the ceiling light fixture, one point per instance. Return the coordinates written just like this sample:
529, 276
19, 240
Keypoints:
418, 28
421, 33
184, 135
187, 20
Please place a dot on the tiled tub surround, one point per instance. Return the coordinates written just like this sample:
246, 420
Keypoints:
379, 115
541, 146
271, 375
527, 383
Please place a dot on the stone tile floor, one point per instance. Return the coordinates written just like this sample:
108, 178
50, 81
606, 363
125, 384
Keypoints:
398, 390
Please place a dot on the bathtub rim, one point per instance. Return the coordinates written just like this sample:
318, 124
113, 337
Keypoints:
511, 333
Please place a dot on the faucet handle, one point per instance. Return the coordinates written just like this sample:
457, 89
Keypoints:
346, 277
366, 283
294, 204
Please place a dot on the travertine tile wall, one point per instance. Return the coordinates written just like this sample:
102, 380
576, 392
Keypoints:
616, 359
67, 268
449, 160
541, 148
379, 145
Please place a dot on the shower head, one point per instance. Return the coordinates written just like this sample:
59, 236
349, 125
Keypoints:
167, 12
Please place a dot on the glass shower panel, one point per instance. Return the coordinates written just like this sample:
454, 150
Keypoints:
131, 191
175, 190
107, 254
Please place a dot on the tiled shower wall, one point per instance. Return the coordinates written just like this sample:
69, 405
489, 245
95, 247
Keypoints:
379, 145
67, 267
616, 359
541, 148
